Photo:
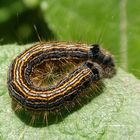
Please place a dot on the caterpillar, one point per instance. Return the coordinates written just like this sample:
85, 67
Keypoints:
96, 64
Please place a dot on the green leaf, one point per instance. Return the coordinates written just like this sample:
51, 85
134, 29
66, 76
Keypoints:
114, 114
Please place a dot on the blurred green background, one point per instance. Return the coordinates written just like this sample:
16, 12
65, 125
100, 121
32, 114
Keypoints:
113, 24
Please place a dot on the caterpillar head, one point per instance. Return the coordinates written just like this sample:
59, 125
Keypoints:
104, 59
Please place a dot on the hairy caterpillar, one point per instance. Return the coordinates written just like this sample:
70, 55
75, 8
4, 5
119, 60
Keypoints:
96, 64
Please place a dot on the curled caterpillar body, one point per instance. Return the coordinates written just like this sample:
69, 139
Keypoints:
96, 63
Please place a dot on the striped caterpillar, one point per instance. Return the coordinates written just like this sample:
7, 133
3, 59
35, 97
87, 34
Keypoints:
96, 64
